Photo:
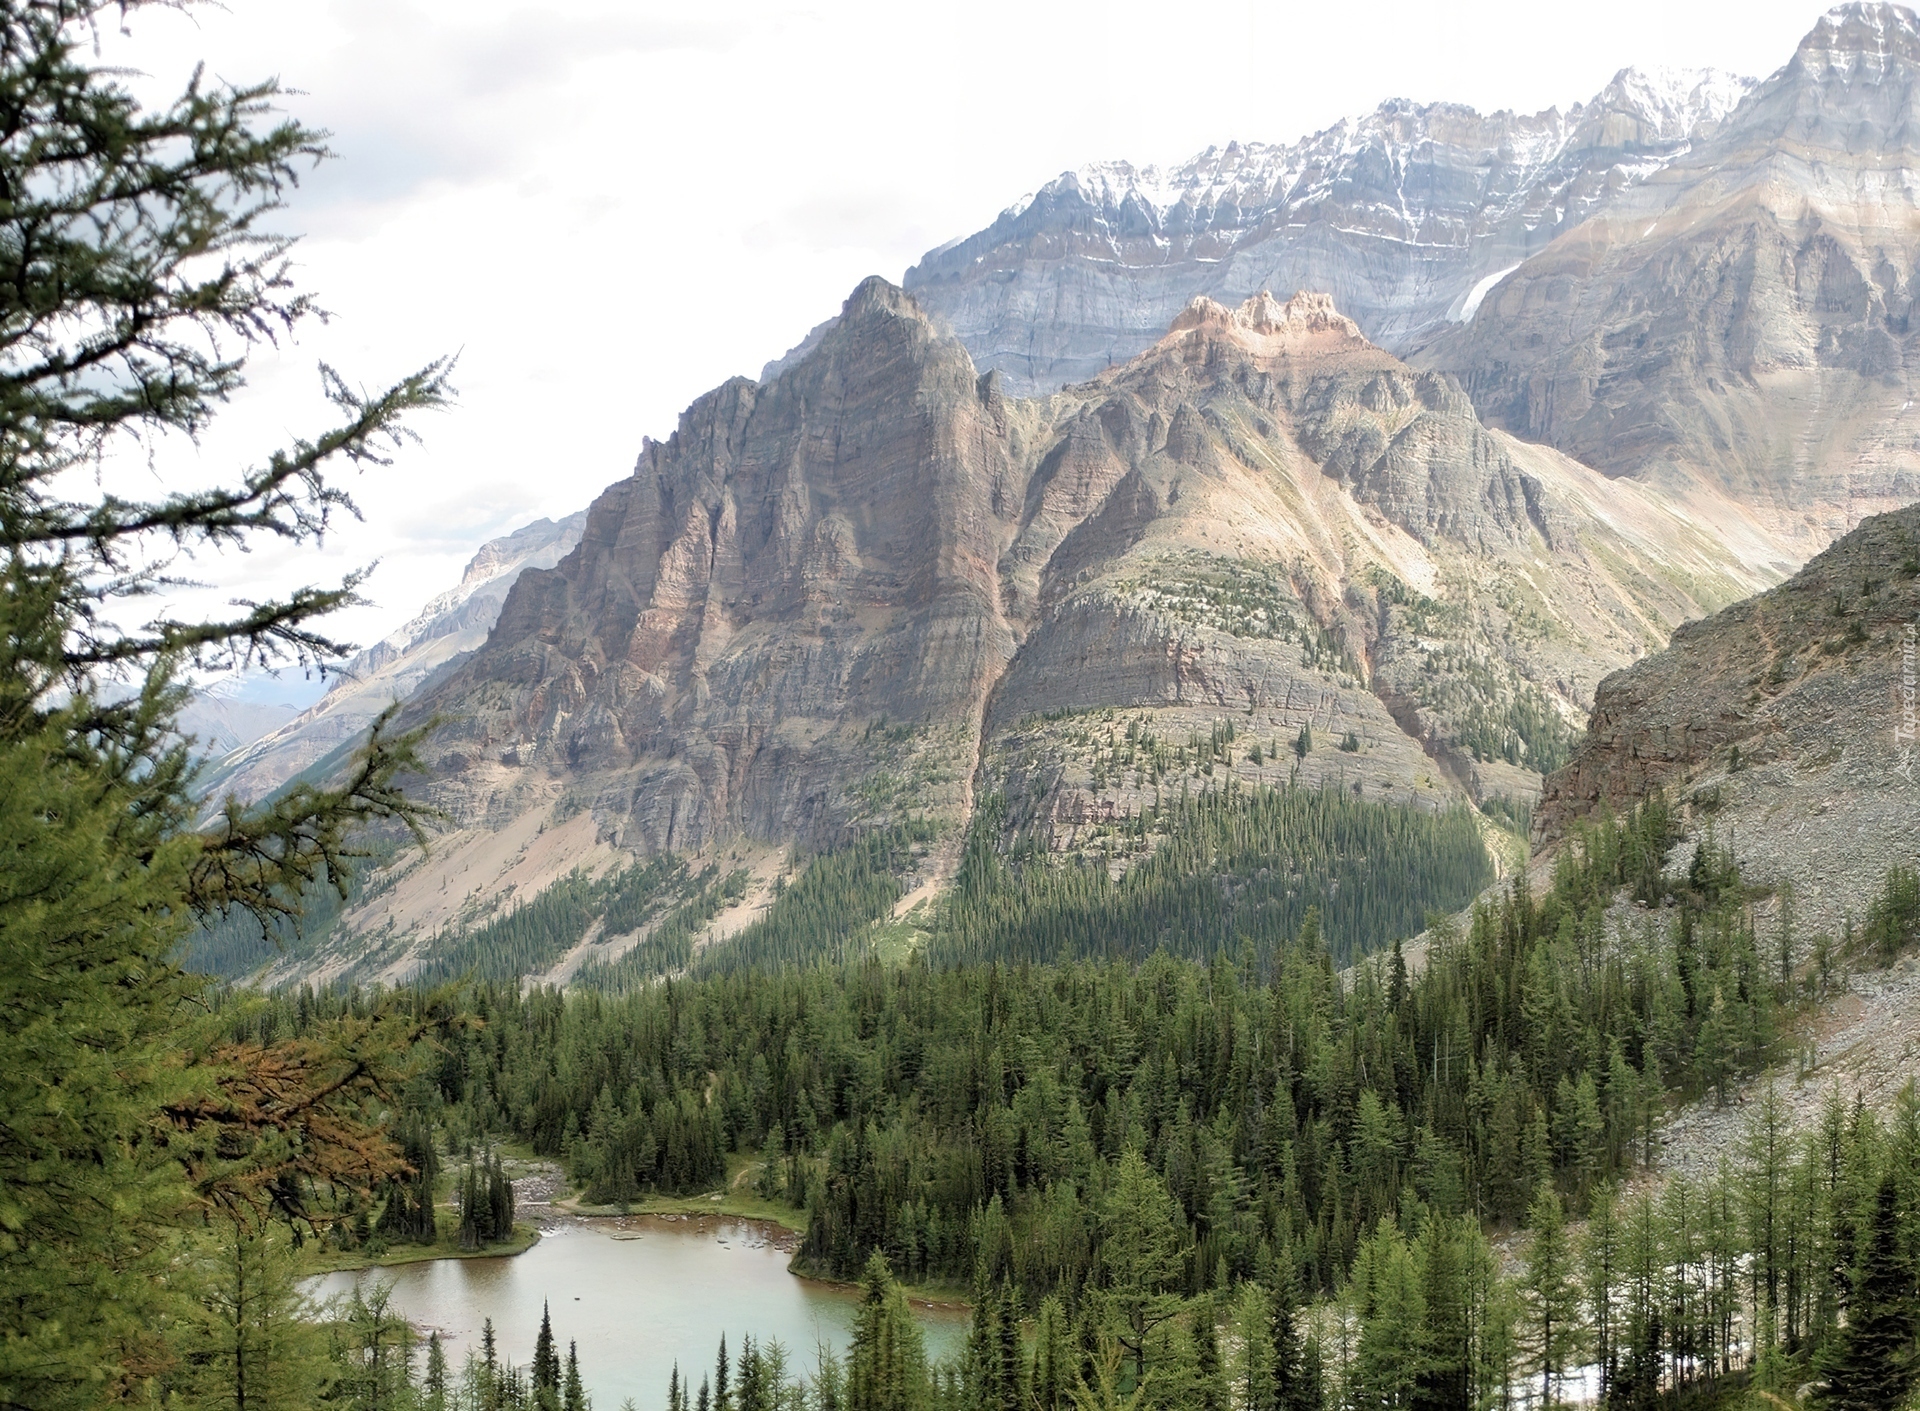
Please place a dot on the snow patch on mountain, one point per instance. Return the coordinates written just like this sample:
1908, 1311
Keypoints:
1470, 305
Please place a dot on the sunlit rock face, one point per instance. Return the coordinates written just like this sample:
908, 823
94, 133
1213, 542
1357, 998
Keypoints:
1702, 281
874, 587
1782, 727
1744, 316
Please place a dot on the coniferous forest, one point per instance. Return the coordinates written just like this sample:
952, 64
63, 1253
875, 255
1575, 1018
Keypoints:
1251, 1178
1205, 1132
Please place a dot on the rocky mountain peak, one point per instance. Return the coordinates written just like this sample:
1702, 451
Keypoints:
878, 296
1661, 105
1401, 213
1860, 40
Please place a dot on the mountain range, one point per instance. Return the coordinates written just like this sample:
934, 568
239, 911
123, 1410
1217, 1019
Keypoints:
1359, 464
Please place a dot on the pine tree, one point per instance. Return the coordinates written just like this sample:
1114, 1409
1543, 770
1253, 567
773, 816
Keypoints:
1209, 1375
252, 1348
1600, 1259
1295, 1372
1443, 1375
546, 1359
1052, 1357
1386, 1292
436, 1388
887, 1361
1142, 1254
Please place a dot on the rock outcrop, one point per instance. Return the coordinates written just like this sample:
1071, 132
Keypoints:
876, 586
1690, 279
1744, 315
451, 625
1784, 724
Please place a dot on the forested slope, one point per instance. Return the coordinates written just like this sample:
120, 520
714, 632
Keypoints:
1287, 1139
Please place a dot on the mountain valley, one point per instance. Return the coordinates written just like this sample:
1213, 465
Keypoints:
917, 582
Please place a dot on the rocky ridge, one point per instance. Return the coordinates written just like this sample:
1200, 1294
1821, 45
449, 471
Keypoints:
877, 586
1742, 317
1404, 215
1695, 280
1781, 725
452, 624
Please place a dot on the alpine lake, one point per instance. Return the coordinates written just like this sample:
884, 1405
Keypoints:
637, 1294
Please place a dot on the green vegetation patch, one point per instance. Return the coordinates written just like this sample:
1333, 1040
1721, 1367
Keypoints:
1235, 864
1239, 598
536, 934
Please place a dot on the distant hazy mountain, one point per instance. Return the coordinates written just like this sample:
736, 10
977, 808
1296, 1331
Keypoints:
1690, 277
1745, 315
451, 625
221, 723
1404, 216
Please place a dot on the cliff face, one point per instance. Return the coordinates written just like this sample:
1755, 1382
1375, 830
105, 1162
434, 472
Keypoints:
1690, 279
801, 560
1402, 215
1744, 315
1784, 724
876, 586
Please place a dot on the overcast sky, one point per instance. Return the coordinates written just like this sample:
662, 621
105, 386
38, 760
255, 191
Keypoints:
606, 209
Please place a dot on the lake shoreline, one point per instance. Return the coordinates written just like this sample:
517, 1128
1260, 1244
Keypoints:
640, 1293
525, 1237
776, 1234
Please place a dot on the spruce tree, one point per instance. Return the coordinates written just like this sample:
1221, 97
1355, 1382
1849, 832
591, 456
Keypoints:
1551, 1292
1295, 1379
887, 1360
576, 1392
1871, 1367
546, 1356
1209, 1375
1011, 1378
436, 1388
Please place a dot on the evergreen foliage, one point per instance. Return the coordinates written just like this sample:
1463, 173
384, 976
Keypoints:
823, 915
1233, 863
486, 1204
143, 1157
407, 1215
1893, 921
532, 936
668, 947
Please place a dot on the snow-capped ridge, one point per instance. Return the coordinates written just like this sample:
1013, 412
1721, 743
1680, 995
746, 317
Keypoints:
1859, 40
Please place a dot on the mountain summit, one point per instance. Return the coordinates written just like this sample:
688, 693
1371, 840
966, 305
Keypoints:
1403, 215
1697, 279
1743, 317
878, 591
